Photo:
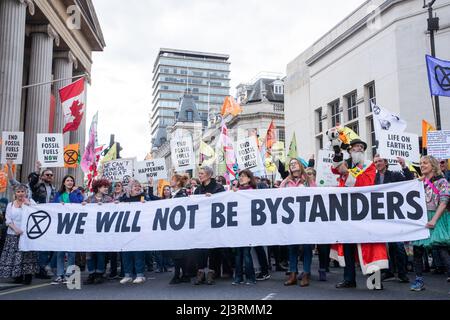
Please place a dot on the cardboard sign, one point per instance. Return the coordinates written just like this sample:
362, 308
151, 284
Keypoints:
247, 154
12, 147
439, 144
120, 170
50, 149
182, 154
325, 178
393, 145
155, 169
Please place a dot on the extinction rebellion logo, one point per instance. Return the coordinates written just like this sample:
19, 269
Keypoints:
442, 75
38, 224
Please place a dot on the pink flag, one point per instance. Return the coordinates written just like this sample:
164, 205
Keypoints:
72, 101
89, 155
230, 156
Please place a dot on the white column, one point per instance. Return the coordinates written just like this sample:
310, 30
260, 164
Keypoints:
12, 44
38, 97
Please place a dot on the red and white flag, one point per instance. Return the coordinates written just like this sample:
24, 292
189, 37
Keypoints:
72, 101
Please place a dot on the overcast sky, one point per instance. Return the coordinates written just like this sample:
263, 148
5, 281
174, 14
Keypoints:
258, 36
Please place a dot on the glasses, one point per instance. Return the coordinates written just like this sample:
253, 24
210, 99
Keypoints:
310, 173
442, 162
49, 174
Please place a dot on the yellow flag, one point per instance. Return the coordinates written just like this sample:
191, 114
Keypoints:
207, 154
72, 156
426, 127
278, 152
111, 155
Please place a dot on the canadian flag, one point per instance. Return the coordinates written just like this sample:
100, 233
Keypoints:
72, 101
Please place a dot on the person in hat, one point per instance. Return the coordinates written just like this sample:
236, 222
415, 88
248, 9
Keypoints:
357, 172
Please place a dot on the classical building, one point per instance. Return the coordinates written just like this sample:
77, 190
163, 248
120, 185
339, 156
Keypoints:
377, 54
205, 75
42, 41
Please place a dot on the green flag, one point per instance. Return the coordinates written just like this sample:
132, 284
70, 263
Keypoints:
293, 148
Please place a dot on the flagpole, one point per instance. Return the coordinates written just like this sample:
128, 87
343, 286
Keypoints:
58, 80
433, 26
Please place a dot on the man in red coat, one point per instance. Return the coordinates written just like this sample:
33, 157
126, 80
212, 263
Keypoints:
356, 172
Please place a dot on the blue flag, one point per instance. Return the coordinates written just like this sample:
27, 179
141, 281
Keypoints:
438, 76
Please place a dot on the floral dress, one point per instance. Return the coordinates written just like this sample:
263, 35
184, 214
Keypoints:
437, 192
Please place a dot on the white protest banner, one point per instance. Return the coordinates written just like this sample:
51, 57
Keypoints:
182, 153
393, 212
155, 169
12, 147
393, 145
439, 144
120, 170
247, 154
50, 149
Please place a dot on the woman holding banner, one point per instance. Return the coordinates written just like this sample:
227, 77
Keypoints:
207, 187
324, 249
134, 259
247, 181
437, 196
96, 261
13, 263
68, 193
178, 183
295, 179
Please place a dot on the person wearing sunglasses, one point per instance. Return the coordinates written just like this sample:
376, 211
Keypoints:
42, 191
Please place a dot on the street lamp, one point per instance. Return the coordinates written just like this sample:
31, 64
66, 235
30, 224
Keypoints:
433, 26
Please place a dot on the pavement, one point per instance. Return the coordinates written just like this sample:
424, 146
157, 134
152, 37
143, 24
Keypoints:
157, 287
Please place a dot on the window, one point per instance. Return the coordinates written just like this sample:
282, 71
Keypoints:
190, 115
319, 124
352, 107
335, 114
373, 141
194, 90
281, 135
371, 95
319, 142
354, 126
278, 89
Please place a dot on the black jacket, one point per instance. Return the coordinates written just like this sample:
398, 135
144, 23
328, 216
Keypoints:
127, 198
38, 189
181, 193
395, 176
212, 187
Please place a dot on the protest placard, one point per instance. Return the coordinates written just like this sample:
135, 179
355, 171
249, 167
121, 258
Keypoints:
155, 169
50, 149
393, 145
247, 154
12, 147
120, 170
182, 153
439, 144
325, 178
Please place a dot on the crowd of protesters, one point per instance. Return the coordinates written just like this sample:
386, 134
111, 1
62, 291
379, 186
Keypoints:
204, 266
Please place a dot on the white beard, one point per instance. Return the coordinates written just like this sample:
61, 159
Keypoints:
358, 157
